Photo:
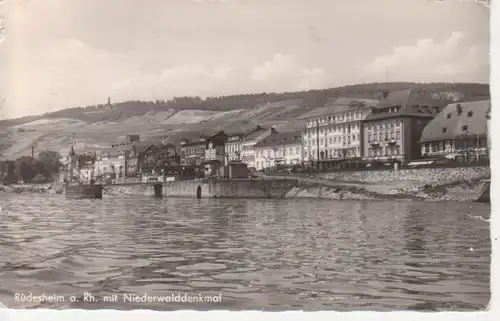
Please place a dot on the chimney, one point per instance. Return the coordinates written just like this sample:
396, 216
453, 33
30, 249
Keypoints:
32, 151
385, 95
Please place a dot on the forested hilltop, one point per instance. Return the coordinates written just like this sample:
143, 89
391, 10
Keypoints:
312, 98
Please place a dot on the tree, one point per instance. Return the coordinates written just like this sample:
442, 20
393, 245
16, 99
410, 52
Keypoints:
25, 168
50, 161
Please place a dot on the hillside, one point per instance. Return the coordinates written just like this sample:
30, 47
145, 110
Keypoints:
95, 127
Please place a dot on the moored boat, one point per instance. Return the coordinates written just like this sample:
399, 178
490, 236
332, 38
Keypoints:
84, 191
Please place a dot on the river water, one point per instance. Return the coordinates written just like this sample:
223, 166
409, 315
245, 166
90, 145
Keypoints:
243, 254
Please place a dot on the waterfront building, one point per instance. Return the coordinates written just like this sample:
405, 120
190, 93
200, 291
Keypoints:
459, 131
333, 134
278, 149
86, 170
232, 148
248, 143
215, 148
159, 155
121, 159
136, 156
113, 162
393, 129
194, 153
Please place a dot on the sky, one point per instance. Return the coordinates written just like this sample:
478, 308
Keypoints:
69, 53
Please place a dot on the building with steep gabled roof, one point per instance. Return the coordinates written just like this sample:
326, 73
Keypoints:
459, 131
248, 142
279, 149
232, 147
393, 129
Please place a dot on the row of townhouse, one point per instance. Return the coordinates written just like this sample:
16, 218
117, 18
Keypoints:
400, 127
133, 157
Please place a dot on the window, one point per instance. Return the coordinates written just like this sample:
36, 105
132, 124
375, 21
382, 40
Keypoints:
469, 114
448, 115
465, 128
445, 129
398, 135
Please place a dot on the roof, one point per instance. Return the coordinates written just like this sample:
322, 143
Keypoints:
161, 146
113, 151
409, 102
142, 146
318, 112
255, 134
352, 101
280, 139
340, 105
473, 116
199, 141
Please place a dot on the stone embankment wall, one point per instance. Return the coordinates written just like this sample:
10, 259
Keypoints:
458, 184
250, 188
424, 175
210, 188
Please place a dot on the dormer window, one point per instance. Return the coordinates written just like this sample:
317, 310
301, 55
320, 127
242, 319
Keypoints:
465, 128
445, 129
448, 115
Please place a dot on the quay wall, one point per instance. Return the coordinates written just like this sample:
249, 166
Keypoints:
244, 188
424, 175
451, 184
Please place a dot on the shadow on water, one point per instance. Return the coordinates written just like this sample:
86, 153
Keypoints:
258, 254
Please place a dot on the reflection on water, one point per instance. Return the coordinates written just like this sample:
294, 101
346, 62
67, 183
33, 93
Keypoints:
259, 254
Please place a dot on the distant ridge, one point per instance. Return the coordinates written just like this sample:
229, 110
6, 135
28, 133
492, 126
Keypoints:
312, 98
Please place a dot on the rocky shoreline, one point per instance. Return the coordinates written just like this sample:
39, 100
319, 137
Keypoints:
462, 190
465, 191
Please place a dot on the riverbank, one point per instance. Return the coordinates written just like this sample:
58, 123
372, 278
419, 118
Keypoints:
464, 191
449, 184
51, 188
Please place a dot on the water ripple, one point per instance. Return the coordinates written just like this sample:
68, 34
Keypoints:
259, 254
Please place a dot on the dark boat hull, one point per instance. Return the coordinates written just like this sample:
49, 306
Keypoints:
485, 193
84, 191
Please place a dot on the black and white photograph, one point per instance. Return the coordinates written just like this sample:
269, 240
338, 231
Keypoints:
264, 155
